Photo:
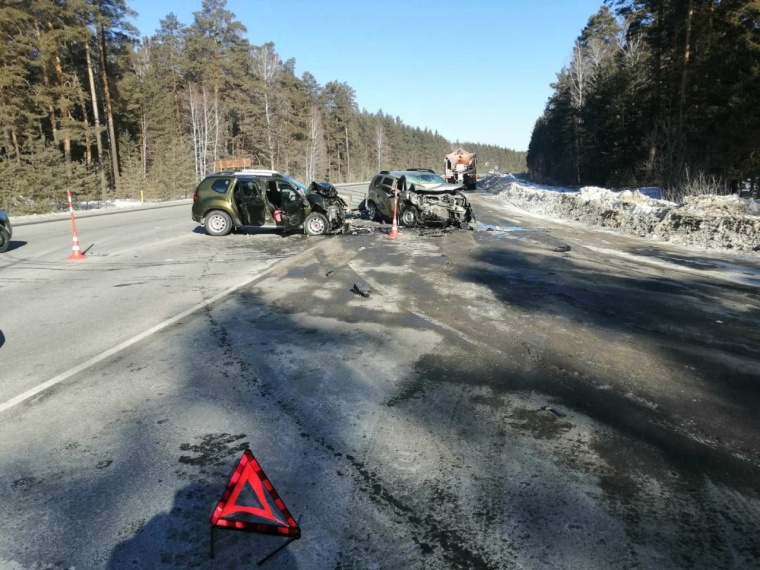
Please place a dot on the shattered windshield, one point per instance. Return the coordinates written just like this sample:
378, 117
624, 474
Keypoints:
424, 178
302, 189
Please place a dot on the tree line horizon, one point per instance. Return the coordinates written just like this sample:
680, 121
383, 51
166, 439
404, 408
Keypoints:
658, 92
86, 105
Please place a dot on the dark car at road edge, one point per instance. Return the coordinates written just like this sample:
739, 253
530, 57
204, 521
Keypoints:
6, 232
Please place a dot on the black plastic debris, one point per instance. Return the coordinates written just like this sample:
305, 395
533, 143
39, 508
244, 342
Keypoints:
354, 230
360, 289
329, 273
562, 248
436, 232
555, 411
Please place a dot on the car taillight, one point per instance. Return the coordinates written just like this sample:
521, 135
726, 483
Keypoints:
195, 197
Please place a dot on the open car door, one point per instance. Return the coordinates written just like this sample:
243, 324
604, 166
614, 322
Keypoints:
292, 206
254, 205
385, 197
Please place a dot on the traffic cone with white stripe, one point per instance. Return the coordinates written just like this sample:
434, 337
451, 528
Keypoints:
76, 251
394, 228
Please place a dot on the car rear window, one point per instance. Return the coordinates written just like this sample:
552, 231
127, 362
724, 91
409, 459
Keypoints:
220, 185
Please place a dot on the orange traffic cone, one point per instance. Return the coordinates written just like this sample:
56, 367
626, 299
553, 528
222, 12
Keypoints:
76, 251
394, 228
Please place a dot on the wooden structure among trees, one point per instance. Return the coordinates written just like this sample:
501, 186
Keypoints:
231, 164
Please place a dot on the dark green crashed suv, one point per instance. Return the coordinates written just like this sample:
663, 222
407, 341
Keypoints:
226, 201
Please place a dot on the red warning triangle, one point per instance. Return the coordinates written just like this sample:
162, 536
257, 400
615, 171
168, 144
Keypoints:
268, 516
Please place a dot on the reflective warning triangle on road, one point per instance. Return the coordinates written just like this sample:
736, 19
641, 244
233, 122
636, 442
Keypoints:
250, 503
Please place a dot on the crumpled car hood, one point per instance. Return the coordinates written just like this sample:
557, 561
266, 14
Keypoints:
447, 187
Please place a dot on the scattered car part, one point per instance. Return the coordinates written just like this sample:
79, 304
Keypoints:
555, 411
362, 290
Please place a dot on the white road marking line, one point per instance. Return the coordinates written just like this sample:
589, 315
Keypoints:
126, 344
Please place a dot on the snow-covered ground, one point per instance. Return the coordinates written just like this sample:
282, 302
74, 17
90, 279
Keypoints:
709, 222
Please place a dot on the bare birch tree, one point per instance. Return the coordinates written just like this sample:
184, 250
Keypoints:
579, 75
267, 67
314, 160
203, 110
380, 146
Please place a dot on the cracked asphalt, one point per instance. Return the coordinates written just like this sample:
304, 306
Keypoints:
535, 396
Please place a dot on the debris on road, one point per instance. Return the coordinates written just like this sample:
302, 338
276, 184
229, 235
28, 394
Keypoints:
555, 411
361, 289
436, 232
562, 249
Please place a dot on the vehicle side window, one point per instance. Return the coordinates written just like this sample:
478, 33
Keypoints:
378, 182
220, 185
388, 184
288, 194
273, 196
250, 188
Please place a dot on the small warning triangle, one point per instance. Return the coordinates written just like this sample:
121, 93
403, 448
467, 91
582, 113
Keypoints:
250, 503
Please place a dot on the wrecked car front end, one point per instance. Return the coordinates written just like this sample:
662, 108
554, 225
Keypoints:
441, 205
323, 198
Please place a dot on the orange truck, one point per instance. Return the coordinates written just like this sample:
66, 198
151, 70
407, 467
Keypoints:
460, 167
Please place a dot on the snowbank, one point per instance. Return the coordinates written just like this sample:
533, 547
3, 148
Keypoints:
710, 222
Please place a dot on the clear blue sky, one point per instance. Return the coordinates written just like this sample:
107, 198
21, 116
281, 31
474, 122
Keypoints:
476, 70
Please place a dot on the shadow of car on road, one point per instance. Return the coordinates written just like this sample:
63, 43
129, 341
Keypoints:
15, 244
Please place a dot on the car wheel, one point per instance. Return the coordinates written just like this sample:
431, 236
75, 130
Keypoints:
218, 223
316, 224
409, 217
5, 239
372, 212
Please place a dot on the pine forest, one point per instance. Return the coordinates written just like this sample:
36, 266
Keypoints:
88, 105
657, 92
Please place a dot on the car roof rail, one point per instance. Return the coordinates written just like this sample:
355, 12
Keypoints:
259, 172
420, 170
384, 172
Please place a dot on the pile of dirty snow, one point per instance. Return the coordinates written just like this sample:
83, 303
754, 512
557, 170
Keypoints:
710, 222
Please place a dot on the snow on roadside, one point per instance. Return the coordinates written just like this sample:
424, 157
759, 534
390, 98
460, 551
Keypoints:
93, 207
710, 222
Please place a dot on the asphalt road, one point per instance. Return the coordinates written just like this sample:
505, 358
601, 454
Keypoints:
536, 396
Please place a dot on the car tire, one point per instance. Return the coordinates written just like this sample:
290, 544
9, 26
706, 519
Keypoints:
316, 224
5, 239
218, 223
409, 217
372, 212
